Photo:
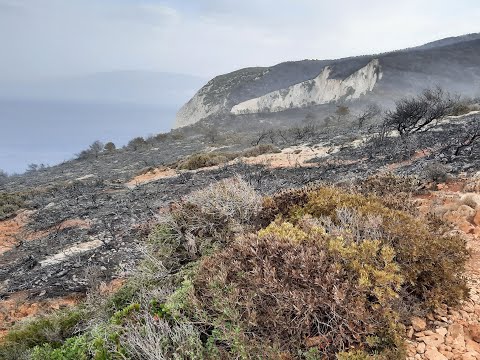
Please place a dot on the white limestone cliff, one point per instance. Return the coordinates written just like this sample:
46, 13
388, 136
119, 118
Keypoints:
321, 90
197, 108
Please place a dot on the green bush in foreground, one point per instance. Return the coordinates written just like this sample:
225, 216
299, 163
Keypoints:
50, 329
335, 271
293, 285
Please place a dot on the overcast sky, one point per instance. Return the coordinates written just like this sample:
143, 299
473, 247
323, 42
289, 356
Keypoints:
45, 38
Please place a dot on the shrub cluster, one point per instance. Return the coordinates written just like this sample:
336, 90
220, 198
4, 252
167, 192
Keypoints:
335, 271
316, 273
204, 220
9, 204
432, 263
201, 160
296, 286
50, 329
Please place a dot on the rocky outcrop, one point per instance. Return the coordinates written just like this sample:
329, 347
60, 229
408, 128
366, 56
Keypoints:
313, 84
197, 108
318, 91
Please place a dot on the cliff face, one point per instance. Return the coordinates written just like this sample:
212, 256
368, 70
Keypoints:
320, 90
214, 97
197, 108
453, 64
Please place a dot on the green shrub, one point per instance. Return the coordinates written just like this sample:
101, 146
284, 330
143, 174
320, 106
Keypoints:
50, 329
9, 204
290, 283
198, 161
100, 343
75, 348
201, 160
53, 328
431, 262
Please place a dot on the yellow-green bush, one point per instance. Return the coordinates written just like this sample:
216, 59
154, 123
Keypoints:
290, 283
432, 263
338, 268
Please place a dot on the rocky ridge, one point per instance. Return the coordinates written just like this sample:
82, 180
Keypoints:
316, 84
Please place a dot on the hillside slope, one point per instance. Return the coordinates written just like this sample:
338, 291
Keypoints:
451, 63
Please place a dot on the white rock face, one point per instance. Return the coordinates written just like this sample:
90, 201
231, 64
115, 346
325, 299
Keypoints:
320, 90
196, 109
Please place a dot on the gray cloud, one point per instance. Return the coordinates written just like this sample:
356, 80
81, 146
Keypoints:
43, 38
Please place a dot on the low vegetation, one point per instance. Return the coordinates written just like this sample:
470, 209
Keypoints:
9, 204
316, 273
201, 160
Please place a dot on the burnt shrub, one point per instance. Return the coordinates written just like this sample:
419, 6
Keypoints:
260, 150
436, 172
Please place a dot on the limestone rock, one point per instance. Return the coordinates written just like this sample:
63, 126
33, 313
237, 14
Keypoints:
474, 331
434, 354
418, 323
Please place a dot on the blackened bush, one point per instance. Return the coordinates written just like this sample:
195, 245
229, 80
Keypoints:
436, 172
417, 114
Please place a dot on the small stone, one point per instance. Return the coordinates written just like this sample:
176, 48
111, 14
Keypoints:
442, 331
469, 356
449, 355
418, 323
474, 331
471, 345
433, 354
433, 340
410, 332
455, 330
469, 308
476, 219
454, 313
421, 348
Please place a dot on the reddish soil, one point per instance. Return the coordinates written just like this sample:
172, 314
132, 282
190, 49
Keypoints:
152, 175
18, 306
13, 231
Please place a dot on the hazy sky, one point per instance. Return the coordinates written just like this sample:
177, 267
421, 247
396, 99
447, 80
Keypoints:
44, 38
